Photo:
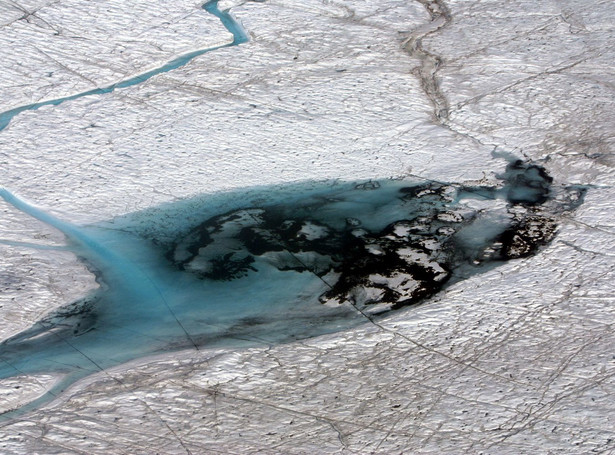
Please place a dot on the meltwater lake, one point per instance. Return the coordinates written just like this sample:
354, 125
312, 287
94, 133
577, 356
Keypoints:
270, 265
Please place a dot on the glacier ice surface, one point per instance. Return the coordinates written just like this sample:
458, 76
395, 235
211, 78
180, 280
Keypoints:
515, 359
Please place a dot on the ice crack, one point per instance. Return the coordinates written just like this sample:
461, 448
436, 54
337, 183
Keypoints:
430, 63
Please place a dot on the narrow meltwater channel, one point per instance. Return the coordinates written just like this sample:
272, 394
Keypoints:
239, 36
276, 264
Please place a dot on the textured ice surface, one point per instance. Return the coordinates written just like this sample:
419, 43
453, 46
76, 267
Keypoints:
239, 37
63, 48
514, 360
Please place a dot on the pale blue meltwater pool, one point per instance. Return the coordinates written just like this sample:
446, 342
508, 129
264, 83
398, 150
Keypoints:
269, 265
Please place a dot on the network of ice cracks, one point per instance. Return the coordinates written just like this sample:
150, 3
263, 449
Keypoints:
515, 359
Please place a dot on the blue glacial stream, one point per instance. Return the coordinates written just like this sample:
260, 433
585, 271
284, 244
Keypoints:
239, 37
270, 265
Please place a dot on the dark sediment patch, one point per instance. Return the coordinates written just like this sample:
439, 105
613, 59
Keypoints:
402, 263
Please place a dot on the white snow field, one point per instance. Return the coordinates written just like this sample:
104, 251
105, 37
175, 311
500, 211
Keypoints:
517, 359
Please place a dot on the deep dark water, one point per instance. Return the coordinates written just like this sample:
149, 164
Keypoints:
271, 265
